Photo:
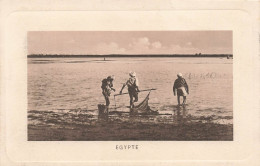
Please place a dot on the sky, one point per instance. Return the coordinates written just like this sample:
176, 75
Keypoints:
129, 42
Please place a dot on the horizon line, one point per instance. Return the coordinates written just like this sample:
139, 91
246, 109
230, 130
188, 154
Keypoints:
40, 54
132, 56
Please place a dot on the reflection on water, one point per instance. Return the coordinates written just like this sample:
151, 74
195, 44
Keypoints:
66, 87
180, 115
68, 119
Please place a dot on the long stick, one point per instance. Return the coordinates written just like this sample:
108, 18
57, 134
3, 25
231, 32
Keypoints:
115, 101
139, 91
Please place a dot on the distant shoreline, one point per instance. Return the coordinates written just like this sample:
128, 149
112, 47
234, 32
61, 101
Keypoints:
132, 56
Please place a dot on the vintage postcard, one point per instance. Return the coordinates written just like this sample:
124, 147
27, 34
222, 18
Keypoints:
130, 87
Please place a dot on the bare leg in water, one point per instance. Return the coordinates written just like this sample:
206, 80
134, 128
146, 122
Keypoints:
131, 100
184, 100
178, 98
107, 102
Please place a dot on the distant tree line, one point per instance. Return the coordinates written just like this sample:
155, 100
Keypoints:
127, 55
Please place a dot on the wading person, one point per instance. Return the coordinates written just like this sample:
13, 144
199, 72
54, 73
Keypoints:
132, 83
107, 87
182, 88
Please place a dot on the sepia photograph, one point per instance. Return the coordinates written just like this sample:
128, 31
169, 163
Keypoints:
130, 85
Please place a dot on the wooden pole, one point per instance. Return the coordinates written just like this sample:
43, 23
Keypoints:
115, 101
139, 91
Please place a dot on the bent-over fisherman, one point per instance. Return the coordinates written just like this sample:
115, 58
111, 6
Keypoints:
182, 88
133, 88
107, 87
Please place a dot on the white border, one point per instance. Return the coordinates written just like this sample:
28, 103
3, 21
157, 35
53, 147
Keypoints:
14, 99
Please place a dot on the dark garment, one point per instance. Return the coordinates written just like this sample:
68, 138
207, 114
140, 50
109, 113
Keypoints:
133, 94
179, 84
106, 98
106, 89
106, 86
132, 84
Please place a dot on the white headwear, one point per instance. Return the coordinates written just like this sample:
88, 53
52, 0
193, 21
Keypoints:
179, 75
132, 74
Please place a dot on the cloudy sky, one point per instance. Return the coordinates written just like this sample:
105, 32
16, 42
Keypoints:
130, 42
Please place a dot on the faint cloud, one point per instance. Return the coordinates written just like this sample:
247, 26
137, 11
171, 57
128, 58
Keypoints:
157, 45
143, 45
71, 41
175, 47
110, 48
187, 49
143, 41
189, 43
140, 43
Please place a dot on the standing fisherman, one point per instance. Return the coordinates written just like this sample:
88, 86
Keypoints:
182, 88
132, 84
107, 86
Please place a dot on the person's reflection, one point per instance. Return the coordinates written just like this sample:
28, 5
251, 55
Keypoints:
180, 115
102, 113
134, 117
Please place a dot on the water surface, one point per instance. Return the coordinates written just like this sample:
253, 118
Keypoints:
66, 84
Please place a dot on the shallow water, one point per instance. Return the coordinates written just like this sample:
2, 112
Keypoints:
65, 84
